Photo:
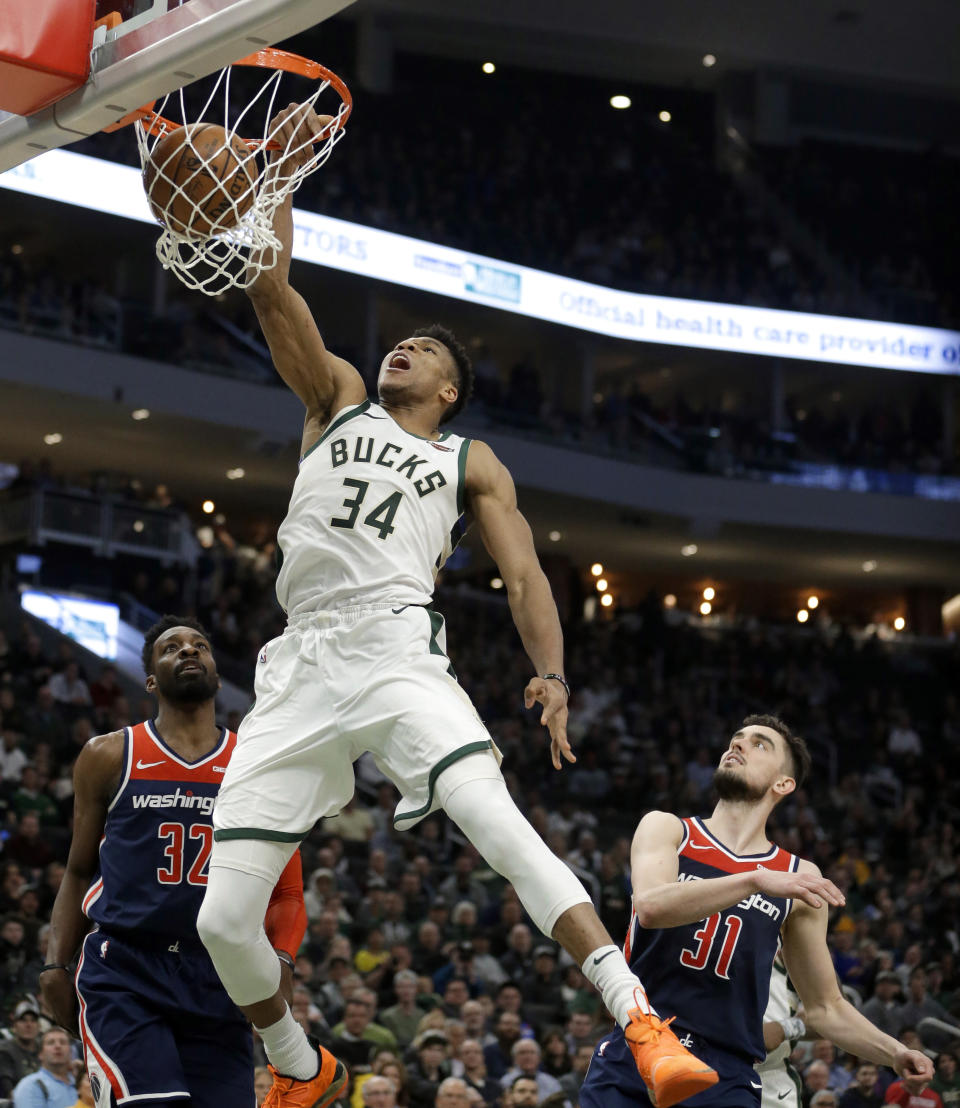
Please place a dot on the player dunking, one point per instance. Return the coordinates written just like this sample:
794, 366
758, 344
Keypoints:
157, 1027
711, 899
379, 503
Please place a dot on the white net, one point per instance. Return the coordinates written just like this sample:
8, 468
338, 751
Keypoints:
215, 193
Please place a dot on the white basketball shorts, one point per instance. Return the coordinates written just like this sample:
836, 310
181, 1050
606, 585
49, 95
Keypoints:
781, 1086
333, 685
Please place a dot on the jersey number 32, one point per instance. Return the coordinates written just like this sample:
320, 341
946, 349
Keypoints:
177, 837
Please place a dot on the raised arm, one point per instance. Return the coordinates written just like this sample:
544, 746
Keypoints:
96, 775
324, 382
492, 500
660, 900
826, 1009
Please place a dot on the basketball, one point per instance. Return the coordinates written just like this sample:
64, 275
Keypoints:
199, 180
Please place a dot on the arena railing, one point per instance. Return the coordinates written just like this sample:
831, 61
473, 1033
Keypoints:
104, 524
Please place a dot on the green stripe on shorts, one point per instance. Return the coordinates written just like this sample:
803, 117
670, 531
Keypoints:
227, 833
436, 626
445, 762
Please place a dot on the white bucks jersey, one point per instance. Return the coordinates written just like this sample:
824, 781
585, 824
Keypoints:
781, 1005
374, 514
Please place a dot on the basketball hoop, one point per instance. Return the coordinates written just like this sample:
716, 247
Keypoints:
241, 244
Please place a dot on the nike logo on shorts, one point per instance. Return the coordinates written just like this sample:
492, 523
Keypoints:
597, 961
780, 1096
148, 765
754, 1085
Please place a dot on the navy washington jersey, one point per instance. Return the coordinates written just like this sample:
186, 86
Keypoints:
157, 838
715, 974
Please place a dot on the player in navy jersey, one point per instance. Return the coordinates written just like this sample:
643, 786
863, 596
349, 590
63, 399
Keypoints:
711, 898
157, 1026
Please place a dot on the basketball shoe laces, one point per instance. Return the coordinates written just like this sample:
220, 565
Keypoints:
670, 1072
315, 1092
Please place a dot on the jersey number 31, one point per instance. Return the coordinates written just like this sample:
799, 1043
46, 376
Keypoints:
698, 957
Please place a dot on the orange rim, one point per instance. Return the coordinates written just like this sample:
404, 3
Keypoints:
268, 58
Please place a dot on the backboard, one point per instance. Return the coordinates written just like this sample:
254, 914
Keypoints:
158, 47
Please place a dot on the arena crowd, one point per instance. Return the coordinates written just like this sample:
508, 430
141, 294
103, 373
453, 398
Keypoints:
419, 966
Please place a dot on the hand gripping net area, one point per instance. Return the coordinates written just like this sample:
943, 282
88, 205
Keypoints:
217, 223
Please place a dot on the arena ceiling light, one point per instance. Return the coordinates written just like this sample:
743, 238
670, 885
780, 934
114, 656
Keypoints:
236, 473
664, 116
496, 582
669, 601
602, 584
620, 102
709, 60
596, 569
706, 608
554, 536
899, 623
208, 507
606, 600
138, 525
869, 565
803, 615
53, 438
709, 592
813, 602
689, 550
489, 68
140, 414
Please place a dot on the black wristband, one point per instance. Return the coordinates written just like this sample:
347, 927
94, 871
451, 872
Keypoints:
55, 965
558, 677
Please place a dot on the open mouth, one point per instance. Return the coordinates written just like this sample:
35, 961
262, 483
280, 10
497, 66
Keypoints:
189, 667
399, 361
733, 758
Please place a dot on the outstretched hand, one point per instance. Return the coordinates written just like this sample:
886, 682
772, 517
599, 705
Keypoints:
553, 696
811, 888
296, 128
915, 1068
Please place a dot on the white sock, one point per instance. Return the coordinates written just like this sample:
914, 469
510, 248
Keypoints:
289, 1049
607, 968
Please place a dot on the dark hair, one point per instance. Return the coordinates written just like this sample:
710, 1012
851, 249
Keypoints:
464, 380
799, 753
164, 624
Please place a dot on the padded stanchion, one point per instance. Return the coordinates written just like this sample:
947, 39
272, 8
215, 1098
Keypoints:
44, 51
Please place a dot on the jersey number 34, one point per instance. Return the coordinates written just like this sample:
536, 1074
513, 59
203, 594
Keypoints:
380, 518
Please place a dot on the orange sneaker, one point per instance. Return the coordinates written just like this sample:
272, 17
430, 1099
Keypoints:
318, 1092
670, 1072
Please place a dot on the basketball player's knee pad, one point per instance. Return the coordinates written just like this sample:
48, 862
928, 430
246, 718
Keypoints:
486, 813
230, 925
